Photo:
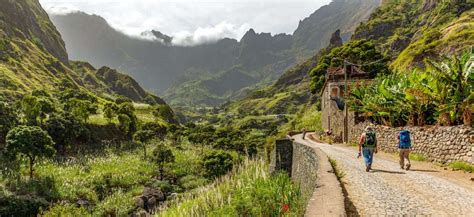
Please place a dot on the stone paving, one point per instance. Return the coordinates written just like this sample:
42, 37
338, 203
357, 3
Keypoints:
388, 190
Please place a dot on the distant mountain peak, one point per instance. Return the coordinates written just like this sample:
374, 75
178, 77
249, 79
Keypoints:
336, 39
160, 36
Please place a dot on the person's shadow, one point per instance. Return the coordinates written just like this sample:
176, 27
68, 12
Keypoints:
386, 171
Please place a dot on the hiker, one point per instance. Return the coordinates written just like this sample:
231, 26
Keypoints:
304, 132
404, 147
368, 146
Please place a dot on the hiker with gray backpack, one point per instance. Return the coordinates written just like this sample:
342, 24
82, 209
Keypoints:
404, 147
368, 146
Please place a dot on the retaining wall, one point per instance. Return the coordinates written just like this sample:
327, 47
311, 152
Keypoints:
309, 167
438, 144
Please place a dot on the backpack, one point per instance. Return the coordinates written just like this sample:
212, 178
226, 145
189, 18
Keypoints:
370, 140
405, 141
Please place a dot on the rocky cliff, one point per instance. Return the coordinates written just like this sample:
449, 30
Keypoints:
33, 56
411, 31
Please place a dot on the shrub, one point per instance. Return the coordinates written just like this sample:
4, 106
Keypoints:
217, 163
162, 156
65, 210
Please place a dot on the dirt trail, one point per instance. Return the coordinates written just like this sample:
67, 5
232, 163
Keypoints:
388, 190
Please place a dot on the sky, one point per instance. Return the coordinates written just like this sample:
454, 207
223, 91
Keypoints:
193, 22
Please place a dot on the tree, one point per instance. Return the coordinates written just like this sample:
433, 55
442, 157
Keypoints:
143, 137
217, 163
124, 123
163, 155
110, 111
356, 51
158, 130
64, 129
8, 120
81, 109
164, 112
127, 118
36, 107
31, 142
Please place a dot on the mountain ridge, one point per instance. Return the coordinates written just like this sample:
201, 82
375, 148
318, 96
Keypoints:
33, 57
159, 66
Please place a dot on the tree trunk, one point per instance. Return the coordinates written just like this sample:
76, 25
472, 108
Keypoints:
467, 117
32, 162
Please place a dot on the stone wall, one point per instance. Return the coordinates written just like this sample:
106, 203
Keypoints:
299, 161
310, 168
304, 168
439, 144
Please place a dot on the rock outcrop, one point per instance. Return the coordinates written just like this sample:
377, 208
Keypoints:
28, 20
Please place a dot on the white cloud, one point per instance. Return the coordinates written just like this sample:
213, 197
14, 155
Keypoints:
192, 22
209, 34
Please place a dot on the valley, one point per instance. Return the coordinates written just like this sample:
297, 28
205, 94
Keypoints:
95, 122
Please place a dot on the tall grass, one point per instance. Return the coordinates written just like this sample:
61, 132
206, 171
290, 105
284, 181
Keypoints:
249, 190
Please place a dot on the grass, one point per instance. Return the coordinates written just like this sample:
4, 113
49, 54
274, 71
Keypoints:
248, 191
464, 166
417, 157
111, 181
339, 174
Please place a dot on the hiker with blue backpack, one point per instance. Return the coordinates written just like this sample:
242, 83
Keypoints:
404, 146
368, 146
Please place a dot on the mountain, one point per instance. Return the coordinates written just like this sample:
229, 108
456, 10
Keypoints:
314, 32
411, 31
407, 32
180, 72
289, 94
33, 57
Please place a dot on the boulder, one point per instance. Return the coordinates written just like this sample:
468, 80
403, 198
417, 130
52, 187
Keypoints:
150, 199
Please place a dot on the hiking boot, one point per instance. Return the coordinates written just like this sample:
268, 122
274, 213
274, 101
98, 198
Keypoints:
370, 166
408, 167
367, 168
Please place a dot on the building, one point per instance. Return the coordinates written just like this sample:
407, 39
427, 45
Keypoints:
333, 103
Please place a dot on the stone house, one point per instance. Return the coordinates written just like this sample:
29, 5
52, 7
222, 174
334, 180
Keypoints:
332, 100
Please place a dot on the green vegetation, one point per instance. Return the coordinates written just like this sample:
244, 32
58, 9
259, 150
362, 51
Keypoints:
248, 191
417, 157
359, 52
30, 142
443, 94
339, 174
411, 31
459, 165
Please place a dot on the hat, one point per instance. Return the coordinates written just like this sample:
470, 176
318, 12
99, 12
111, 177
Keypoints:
369, 128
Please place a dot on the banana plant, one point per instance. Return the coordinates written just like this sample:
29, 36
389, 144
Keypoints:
454, 88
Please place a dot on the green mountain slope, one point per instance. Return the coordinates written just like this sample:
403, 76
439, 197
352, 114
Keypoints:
33, 56
407, 32
184, 71
411, 31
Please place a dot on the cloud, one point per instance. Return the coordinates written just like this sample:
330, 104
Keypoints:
192, 22
62, 10
203, 35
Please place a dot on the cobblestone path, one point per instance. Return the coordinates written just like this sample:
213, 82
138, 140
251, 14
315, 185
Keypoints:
388, 190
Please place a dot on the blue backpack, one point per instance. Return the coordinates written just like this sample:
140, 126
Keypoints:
405, 141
